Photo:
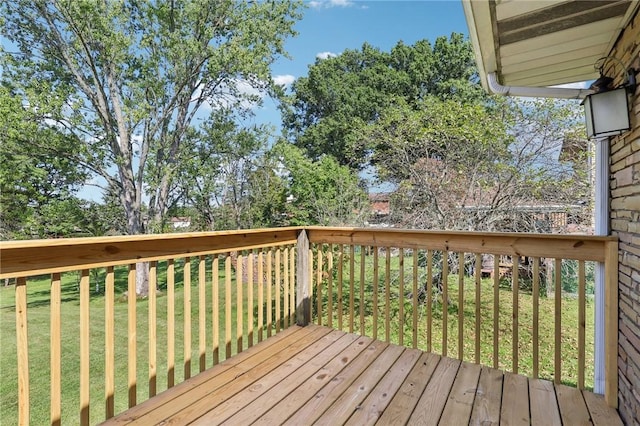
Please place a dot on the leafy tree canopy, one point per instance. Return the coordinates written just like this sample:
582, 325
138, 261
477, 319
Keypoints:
343, 94
321, 192
127, 79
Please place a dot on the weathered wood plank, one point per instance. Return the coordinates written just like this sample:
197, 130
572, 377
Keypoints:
543, 402
370, 410
601, 413
352, 397
515, 400
314, 374
252, 356
247, 405
460, 403
325, 397
227, 384
573, 409
431, 404
404, 401
304, 392
486, 406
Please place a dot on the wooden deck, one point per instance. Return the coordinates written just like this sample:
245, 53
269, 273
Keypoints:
316, 375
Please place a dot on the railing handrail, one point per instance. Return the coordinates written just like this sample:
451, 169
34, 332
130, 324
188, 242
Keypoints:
36, 257
569, 246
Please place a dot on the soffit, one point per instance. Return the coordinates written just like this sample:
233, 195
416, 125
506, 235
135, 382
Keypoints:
544, 42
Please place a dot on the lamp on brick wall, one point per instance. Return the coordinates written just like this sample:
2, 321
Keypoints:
607, 109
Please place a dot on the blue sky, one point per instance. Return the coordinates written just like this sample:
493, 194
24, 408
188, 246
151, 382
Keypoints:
328, 27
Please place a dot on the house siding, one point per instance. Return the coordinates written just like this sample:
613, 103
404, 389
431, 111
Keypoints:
625, 223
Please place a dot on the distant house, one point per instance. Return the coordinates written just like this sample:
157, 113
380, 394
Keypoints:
380, 206
180, 222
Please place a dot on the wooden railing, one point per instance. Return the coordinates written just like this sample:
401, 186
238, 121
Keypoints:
243, 291
423, 289
518, 302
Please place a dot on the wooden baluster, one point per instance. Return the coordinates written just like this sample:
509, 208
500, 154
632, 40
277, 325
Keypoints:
202, 313
215, 308
171, 323
260, 295
269, 284
186, 289
330, 286
376, 272
85, 352
56, 351
515, 291
352, 255
429, 288
239, 302
558, 321
535, 294
496, 307
109, 343
581, 322
445, 301
152, 328
285, 286
227, 306
387, 295
22, 346
401, 297
250, 325
292, 284
132, 336
478, 277
278, 282
460, 306
414, 301
340, 284
362, 299
319, 284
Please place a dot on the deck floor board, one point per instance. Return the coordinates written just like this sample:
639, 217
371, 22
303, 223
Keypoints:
316, 375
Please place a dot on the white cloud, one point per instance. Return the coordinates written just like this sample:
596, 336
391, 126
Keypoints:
324, 4
283, 80
325, 55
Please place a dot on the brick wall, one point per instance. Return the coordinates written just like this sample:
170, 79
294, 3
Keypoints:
625, 223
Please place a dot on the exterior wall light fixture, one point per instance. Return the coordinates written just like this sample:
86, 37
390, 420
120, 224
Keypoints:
607, 109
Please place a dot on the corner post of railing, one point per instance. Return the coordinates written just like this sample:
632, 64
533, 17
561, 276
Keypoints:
303, 280
611, 323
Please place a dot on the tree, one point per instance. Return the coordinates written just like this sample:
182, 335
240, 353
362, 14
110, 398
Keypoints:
468, 166
321, 192
343, 94
217, 168
128, 78
33, 180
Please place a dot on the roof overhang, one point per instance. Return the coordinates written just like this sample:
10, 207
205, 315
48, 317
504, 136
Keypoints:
541, 43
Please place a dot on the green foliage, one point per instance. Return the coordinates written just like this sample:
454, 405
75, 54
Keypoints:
321, 192
472, 166
37, 176
127, 79
342, 94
